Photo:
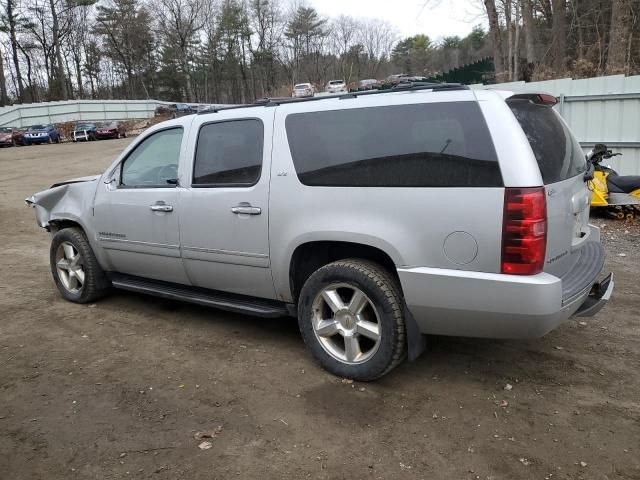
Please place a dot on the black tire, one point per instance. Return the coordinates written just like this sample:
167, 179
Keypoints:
95, 284
384, 293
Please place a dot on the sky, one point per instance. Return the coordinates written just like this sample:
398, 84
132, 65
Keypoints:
435, 18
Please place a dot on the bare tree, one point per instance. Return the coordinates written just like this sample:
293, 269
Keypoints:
620, 37
559, 35
180, 22
496, 39
527, 18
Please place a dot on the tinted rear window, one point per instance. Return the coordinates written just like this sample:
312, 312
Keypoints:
229, 154
417, 145
558, 153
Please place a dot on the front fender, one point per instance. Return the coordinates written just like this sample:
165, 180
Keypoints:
70, 201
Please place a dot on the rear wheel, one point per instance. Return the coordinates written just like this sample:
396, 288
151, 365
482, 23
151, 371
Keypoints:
75, 270
351, 318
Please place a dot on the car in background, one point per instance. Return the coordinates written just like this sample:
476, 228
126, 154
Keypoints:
41, 134
167, 110
397, 78
336, 86
367, 84
85, 132
11, 136
111, 130
183, 109
302, 90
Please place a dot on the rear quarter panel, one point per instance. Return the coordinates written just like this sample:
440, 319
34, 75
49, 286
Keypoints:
409, 224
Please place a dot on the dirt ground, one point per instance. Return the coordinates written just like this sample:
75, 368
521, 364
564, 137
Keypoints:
118, 389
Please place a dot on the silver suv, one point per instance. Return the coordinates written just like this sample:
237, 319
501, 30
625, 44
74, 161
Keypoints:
374, 218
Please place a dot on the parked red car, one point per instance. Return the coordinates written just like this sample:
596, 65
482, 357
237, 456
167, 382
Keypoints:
11, 136
111, 130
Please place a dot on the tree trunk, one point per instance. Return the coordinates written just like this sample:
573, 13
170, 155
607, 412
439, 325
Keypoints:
507, 17
77, 63
3, 84
619, 37
11, 18
31, 89
559, 36
496, 39
527, 17
62, 90
516, 46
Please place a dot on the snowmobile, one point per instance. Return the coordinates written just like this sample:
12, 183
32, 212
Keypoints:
617, 195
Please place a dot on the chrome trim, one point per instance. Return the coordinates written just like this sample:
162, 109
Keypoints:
246, 210
225, 252
161, 208
138, 242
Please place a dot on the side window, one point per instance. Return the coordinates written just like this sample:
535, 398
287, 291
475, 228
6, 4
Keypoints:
154, 163
417, 145
229, 154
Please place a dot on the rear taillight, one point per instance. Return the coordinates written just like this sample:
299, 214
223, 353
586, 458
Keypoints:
524, 231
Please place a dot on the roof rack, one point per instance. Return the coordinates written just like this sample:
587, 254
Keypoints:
400, 87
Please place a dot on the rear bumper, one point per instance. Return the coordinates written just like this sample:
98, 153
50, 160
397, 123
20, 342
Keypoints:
491, 305
81, 136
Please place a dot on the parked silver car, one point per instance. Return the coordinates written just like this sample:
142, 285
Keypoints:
302, 90
336, 86
374, 219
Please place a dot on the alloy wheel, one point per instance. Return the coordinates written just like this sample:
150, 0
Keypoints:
346, 323
70, 267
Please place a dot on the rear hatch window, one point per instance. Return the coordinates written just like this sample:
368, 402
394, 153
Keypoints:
558, 153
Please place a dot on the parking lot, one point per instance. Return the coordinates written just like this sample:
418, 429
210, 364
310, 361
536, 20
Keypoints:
121, 388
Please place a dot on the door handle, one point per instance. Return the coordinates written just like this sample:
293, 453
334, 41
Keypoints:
161, 208
246, 209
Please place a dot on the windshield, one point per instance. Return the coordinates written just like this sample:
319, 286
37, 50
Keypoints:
558, 153
336, 82
108, 125
37, 127
5, 130
85, 126
302, 86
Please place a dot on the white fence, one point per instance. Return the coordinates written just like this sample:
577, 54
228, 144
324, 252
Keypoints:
27, 114
598, 110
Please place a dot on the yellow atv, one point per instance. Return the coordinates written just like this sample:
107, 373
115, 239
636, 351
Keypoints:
617, 195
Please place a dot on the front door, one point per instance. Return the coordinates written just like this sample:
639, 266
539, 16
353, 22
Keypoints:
225, 240
137, 214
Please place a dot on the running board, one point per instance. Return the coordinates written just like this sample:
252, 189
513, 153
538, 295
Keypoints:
202, 296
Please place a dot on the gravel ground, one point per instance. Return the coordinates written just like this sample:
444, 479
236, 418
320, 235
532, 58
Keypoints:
120, 389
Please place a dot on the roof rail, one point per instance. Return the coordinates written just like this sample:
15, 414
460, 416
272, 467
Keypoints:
400, 87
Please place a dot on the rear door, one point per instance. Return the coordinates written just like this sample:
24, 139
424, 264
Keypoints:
225, 235
562, 166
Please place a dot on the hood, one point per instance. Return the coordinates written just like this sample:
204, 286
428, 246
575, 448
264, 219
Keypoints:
51, 191
5, 135
90, 178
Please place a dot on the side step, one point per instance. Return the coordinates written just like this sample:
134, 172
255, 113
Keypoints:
202, 296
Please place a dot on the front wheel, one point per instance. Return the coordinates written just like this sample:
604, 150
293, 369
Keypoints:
75, 270
351, 318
